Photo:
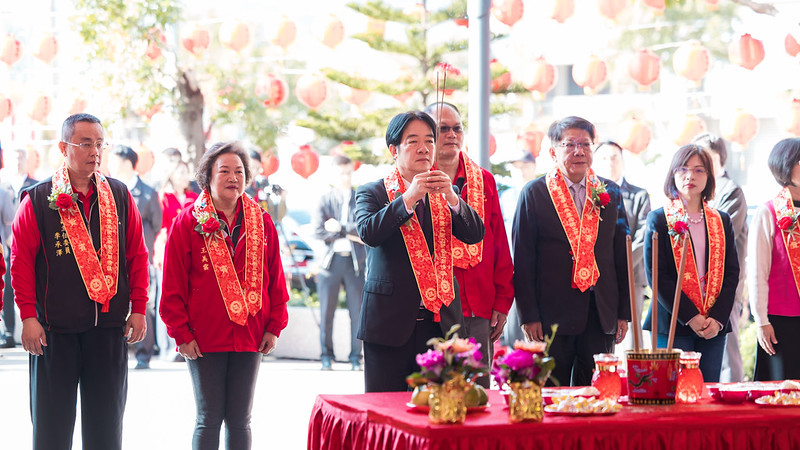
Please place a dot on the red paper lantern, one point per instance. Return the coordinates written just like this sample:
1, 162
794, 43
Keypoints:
78, 105
590, 74
508, 11
48, 48
462, 22
501, 82
11, 51
540, 77
234, 35
285, 34
645, 67
691, 61
439, 74
636, 135
740, 127
658, 5
146, 160
402, 98
793, 126
376, 27
747, 52
269, 163
148, 113
273, 88
791, 45
6, 108
332, 32
530, 139
354, 96
41, 108
311, 90
611, 8
562, 10
692, 126
305, 162
197, 42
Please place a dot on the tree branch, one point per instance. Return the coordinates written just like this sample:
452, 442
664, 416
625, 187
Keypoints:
761, 8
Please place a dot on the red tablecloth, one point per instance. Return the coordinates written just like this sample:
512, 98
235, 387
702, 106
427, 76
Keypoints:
382, 421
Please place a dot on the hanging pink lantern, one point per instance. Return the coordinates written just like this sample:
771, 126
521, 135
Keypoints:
692, 126
462, 22
146, 160
305, 162
636, 135
540, 77
658, 5
791, 45
747, 52
332, 32
590, 74
234, 35
645, 67
285, 34
403, 98
48, 48
78, 105
530, 139
501, 82
740, 126
508, 11
197, 42
311, 90
562, 10
41, 108
354, 96
611, 9
11, 51
6, 108
273, 88
691, 61
269, 163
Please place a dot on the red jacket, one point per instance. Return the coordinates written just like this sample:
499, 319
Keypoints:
489, 285
191, 302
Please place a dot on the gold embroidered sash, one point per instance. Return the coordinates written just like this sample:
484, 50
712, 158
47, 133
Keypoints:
784, 207
434, 273
239, 300
581, 232
470, 255
100, 273
674, 212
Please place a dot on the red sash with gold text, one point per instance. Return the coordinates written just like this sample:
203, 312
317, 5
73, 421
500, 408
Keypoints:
239, 300
783, 206
470, 255
581, 232
674, 211
434, 273
100, 273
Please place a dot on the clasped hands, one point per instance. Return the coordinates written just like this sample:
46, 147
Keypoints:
430, 182
705, 327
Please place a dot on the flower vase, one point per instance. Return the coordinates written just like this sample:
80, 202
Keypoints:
447, 404
525, 402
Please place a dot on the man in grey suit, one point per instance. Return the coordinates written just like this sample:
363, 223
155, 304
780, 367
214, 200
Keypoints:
728, 197
343, 264
609, 163
121, 163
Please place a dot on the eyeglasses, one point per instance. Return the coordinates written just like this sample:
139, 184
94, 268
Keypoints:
697, 171
571, 146
100, 145
456, 129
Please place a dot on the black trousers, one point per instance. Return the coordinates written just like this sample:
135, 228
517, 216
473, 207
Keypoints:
574, 354
97, 360
386, 368
341, 273
785, 363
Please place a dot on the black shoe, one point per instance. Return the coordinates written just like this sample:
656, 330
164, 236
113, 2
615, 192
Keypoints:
326, 363
8, 342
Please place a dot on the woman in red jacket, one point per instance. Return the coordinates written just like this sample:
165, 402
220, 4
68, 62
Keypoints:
224, 295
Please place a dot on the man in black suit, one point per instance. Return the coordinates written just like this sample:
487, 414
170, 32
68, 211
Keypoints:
569, 256
121, 164
396, 320
610, 164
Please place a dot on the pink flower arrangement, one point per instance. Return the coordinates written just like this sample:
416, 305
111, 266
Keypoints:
528, 361
448, 357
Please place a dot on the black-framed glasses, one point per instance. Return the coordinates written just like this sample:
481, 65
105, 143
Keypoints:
100, 145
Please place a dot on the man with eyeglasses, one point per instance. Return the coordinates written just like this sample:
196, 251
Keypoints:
484, 271
79, 273
569, 256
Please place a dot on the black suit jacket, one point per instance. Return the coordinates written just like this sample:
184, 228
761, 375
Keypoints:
637, 207
668, 276
391, 300
543, 264
149, 206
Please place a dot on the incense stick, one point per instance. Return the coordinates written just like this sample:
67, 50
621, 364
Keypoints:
676, 303
634, 316
654, 296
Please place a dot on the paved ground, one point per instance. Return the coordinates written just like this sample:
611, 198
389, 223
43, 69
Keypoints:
160, 411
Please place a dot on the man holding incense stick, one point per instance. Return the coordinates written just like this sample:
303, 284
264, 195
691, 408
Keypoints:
570, 256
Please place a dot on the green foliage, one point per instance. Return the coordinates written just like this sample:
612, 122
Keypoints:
748, 344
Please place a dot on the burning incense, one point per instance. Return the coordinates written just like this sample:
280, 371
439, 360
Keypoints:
634, 315
676, 303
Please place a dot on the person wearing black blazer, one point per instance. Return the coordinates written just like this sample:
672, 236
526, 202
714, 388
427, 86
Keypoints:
712, 266
554, 281
395, 322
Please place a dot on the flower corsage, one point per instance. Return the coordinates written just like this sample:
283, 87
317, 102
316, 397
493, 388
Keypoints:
679, 227
787, 221
61, 198
207, 223
600, 196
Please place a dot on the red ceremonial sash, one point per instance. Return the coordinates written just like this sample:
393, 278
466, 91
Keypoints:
239, 300
674, 212
470, 255
100, 272
581, 232
784, 208
434, 273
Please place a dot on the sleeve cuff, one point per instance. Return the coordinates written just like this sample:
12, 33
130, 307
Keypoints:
274, 329
26, 312
138, 306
